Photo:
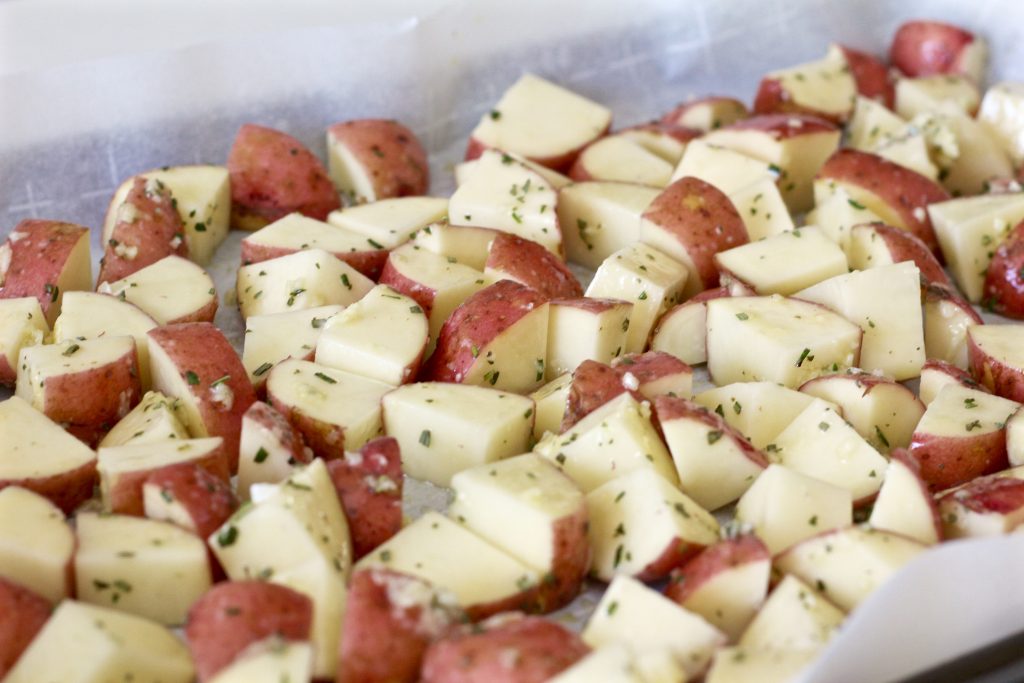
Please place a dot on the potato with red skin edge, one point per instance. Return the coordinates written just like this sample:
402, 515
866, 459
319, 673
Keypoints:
273, 174
207, 499
681, 330
44, 258
894, 508
996, 359
947, 316
899, 245
665, 140
924, 48
148, 228
707, 113
409, 610
936, 374
593, 385
905, 192
197, 364
369, 485
656, 373
785, 91
25, 612
526, 262
269, 448
691, 221
22, 323
479, 654
389, 156
481, 322
986, 506
1004, 281
871, 75
235, 614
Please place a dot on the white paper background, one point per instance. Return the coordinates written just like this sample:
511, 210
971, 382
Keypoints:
70, 135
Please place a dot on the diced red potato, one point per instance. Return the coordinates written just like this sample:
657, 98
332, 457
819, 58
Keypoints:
600, 218
390, 620
825, 88
904, 504
726, 583
515, 258
593, 385
996, 360
373, 159
90, 384
922, 48
272, 175
897, 194
666, 140
296, 232
539, 649
194, 362
877, 244
986, 506
682, 330
269, 448
707, 114
691, 221
1000, 114
369, 484
1004, 284
962, 435
274, 337
933, 99
467, 244
938, 373
540, 121
785, 263
619, 158
44, 259
947, 317
654, 374
172, 290
22, 324
147, 229
870, 74
235, 614
37, 545
585, 328
190, 496
25, 612
497, 338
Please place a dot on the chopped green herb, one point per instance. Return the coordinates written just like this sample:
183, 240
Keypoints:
261, 455
425, 438
803, 356
326, 378
191, 377
70, 351
262, 369
714, 436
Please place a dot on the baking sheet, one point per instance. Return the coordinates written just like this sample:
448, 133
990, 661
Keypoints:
69, 136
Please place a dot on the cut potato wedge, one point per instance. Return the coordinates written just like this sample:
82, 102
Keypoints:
390, 222
904, 504
758, 410
618, 158
172, 290
783, 264
585, 329
600, 218
550, 402
272, 338
996, 359
36, 544
794, 618
22, 324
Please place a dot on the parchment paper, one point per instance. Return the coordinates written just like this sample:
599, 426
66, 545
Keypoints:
69, 136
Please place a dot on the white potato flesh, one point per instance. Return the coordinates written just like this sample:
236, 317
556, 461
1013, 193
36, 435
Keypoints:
610, 442
946, 321
739, 664
825, 85
968, 155
727, 169
305, 279
762, 209
263, 457
525, 488
631, 613
272, 338
599, 218
905, 506
1000, 345
382, 336
142, 566
467, 244
36, 543
22, 323
640, 274
612, 663
349, 401
84, 643
577, 333
464, 171
549, 403
958, 411
33, 446
846, 566
425, 548
937, 93
1002, 112
618, 158
513, 359
296, 231
794, 618
38, 364
538, 119
202, 195
296, 536
784, 507
1015, 439
154, 419
836, 216
168, 290
875, 128
866, 248
444, 428
758, 410
731, 598
390, 222
777, 339
115, 462
270, 661
637, 518
663, 144
681, 332
506, 195
784, 263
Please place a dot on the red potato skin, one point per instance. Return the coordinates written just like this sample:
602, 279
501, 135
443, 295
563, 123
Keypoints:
950, 461
152, 232
369, 262
989, 495
126, 492
474, 656
204, 350
871, 76
667, 408
702, 219
530, 264
675, 555
207, 497
475, 324
712, 561
92, 399
1002, 379
25, 613
572, 562
39, 254
727, 111
391, 155
374, 512
382, 642
556, 162
899, 187
66, 490
785, 126
772, 98
961, 376
674, 130
286, 435
272, 174
1004, 279
325, 439
424, 296
925, 48
906, 246
235, 614
593, 385
904, 457
649, 367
